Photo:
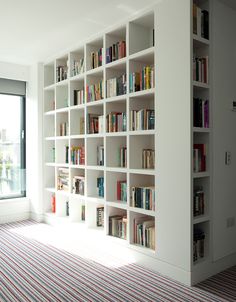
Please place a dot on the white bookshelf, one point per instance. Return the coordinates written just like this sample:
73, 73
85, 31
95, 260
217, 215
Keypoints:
63, 130
201, 134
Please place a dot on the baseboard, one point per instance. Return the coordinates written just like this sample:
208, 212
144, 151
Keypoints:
37, 217
14, 217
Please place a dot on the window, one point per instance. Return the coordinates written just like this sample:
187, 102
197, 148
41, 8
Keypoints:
12, 142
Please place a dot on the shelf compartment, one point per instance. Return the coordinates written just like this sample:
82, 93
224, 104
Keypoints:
77, 63
49, 74
200, 152
62, 151
117, 222
62, 98
201, 197
95, 87
95, 119
49, 100
116, 116
49, 152
116, 80
95, 184
141, 33
49, 125
142, 153
49, 177
116, 154
142, 192
142, 230
77, 92
95, 215
77, 122
200, 242
115, 42
96, 156
77, 211
62, 66
77, 182
77, 152
62, 205
48, 198
62, 121
116, 187
95, 46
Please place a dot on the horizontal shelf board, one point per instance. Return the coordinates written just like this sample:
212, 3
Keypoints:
65, 109
53, 190
96, 71
51, 112
95, 199
77, 166
146, 55
77, 136
142, 132
77, 107
77, 196
50, 164
62, 137
116, 98
201, 174
200, 219
201, 85
66, 193
120, 133
50, 138
142, 211
49, 87
146, 92
202, 130
99, 168
95, 135
198, 41
62, 83
143, 171
95, 103
117, 204
116, 64
50, 214
62, 165
78, 77
116, 169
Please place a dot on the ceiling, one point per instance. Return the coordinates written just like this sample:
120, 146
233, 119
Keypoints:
33, 30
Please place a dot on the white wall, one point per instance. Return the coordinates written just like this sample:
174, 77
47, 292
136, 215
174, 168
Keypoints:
224, 129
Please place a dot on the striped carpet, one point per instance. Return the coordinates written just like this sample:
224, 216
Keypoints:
31, 271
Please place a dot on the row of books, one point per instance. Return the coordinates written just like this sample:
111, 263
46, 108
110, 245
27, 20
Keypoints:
200, 22
198, 201
143, 197
148, 159
77, 67
78, 97
118, 226
198, 244
100, 216
116, 86
142, 80
96, 58
95, 92
199, 158
94, 123
116, 122
64, 129
144, 232
200, 113
61, 73
122, 190
63, 179
78, 185
100, 155
200, 69
122, 156
143, 119
100, 186
116, 51
77, 155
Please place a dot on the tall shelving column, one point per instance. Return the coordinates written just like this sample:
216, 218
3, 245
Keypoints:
201, 134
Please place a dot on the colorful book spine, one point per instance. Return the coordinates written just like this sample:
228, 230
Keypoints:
95, 92
143, 197
78, 97
116, 122
77, 155
143, 119
122, 190
116, 51
96, 58
116, 86
148, 159
142, 80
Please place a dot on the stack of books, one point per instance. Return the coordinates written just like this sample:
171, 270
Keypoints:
143, 119
95, 92
95, 123
142, 80
143, 197
77, 155
144, 232
118, 226
148, 159
116, 86
61, 73
200, 22
116, 121
200, 69
116, 51
199, 158
63, 179
78, 185
96, 58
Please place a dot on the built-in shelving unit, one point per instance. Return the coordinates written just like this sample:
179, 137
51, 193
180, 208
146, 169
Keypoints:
99, 134
201, 132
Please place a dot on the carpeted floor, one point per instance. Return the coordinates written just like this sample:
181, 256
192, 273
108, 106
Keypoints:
33, 271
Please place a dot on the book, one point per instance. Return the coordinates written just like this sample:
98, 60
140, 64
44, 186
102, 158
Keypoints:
142, 80
83, 212
118, 226
143, 197
100, 216
199, 158
116, 51
143, 119
100, 155
78, 184
121, 190
116, 122
77, 67
148, 159
116, 86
